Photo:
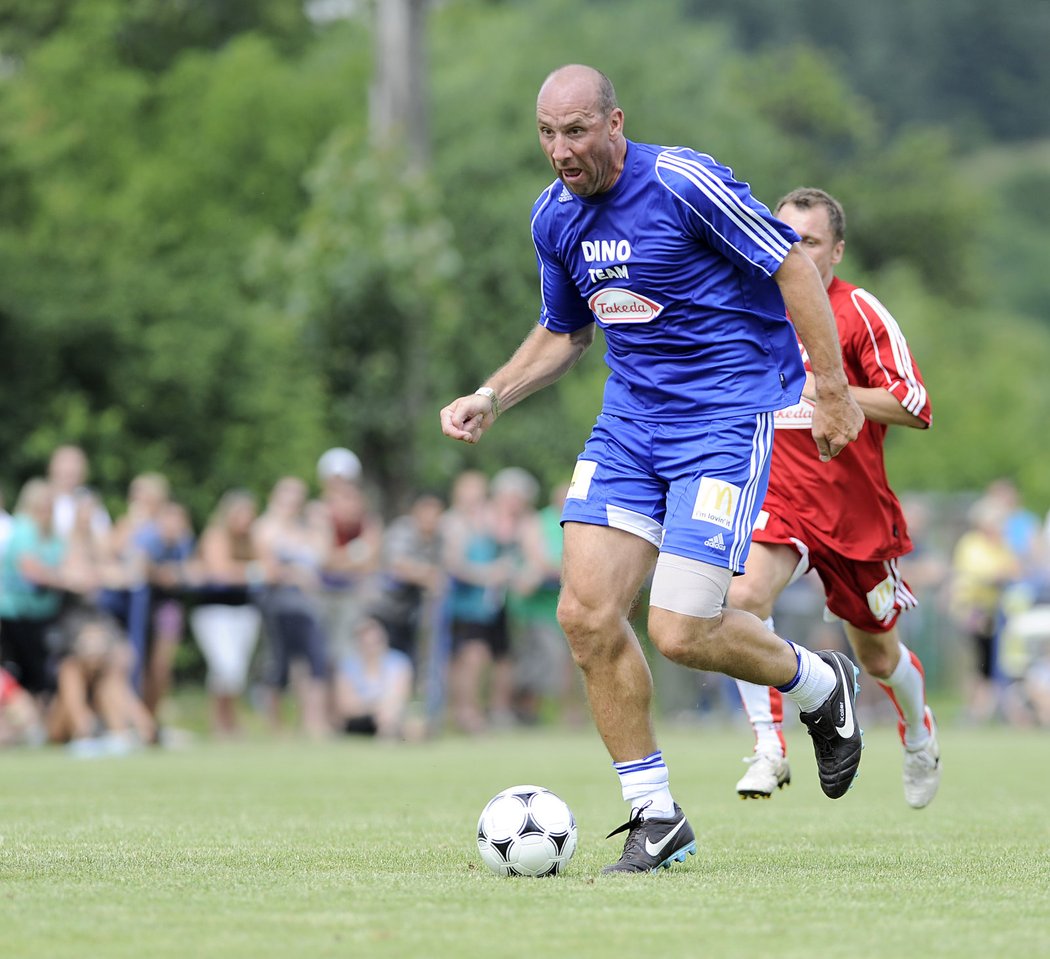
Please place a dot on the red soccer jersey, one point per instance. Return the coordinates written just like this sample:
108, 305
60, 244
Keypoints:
848, 500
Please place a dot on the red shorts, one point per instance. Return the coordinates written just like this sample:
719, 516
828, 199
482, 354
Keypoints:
867, 594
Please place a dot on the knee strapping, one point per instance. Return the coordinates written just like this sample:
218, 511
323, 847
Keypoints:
689, 586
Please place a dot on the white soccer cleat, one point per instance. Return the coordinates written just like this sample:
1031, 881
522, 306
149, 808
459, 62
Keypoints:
766, 772
922, 771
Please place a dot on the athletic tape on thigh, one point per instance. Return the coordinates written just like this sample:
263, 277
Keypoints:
689, 586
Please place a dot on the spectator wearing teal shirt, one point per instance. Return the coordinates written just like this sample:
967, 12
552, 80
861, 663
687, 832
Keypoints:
31, 583
543, 666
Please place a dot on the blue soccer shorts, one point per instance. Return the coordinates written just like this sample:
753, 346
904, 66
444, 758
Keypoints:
691, 489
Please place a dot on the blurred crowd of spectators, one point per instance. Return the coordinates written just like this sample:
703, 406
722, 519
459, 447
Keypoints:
1000, 602
312, 609
307, 606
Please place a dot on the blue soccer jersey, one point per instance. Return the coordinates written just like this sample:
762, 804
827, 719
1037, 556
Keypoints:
675, 264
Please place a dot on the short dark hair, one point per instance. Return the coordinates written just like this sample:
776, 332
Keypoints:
807, 197
607, 101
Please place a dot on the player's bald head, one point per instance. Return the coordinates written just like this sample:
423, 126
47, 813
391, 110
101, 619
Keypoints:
583, 84
581, 128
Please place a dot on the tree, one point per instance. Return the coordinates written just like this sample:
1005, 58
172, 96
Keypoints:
134, 201
369, 281
206, 267
979, 68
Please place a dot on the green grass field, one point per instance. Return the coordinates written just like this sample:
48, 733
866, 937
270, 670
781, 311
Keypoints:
287, 848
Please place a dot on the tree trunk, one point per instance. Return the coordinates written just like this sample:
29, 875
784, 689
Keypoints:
399, 114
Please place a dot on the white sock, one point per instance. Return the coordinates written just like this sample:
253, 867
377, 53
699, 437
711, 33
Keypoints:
906, 687
764, 707
646, 781
814, 680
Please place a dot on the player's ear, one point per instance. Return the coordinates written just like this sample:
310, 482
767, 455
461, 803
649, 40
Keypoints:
837, 251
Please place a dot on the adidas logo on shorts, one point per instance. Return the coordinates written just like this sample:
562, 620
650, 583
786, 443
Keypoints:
716, 542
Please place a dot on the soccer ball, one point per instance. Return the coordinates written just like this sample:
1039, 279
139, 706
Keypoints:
526, 831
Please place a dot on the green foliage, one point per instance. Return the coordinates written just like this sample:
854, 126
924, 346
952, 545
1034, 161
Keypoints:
980, 67
904, 202
369, 281
978, 366
122, 271
22, 24
154, 33
1012, 232
206, 269
151, 34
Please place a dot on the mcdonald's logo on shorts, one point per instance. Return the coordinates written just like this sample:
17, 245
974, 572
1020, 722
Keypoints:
882, 599
716, 502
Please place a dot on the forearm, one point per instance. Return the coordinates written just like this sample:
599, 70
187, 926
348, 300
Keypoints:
414, 572
40, 574
837, 419
541, 359
881, 406
491, 573
807, 304
877, 404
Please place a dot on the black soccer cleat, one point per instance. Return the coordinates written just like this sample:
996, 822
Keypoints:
653, 844
837, 739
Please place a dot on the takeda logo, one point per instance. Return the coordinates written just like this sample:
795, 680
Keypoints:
617, 305
797, 417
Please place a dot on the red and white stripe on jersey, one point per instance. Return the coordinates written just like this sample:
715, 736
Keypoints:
889, 351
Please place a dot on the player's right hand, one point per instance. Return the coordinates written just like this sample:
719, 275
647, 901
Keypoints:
467, 418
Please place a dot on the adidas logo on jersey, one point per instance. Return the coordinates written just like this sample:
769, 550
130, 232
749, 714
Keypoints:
565, 195
716, 542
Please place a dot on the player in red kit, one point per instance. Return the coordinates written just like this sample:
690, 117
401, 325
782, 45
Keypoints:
840, 518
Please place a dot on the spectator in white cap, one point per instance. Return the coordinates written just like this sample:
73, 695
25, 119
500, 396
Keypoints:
355, 538
338, 463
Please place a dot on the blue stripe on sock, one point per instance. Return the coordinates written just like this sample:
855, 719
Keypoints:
652, 761
787, 687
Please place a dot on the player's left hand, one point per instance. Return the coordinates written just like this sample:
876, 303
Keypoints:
837, 422
467, 418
